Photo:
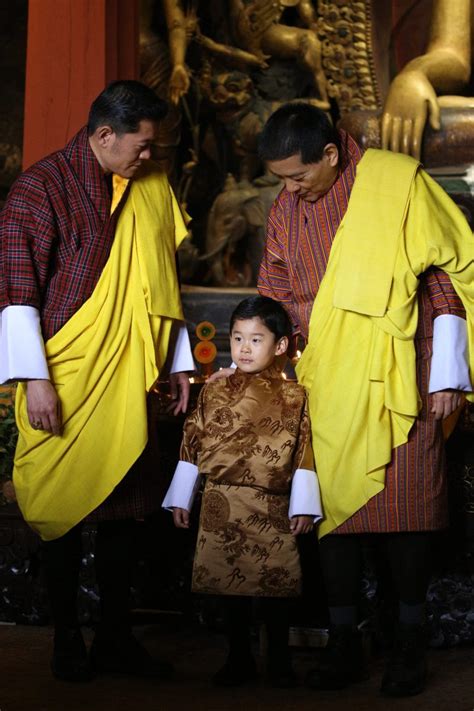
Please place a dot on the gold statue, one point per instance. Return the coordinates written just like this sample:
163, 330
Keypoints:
183, 27
443, 69
258, 29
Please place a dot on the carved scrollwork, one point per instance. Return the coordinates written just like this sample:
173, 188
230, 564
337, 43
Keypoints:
345, 31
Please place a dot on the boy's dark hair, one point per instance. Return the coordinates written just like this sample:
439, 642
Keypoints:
297, 129
123, 104
270, 312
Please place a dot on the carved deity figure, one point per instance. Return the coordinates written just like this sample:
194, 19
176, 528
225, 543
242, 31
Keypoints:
257, 27
444, 68
183, 27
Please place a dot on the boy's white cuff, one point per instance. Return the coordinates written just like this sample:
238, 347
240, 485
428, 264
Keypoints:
450, 359
22, 355
183, 487
305, 499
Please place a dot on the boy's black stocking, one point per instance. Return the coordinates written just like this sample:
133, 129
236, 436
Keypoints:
237, 617
276, 615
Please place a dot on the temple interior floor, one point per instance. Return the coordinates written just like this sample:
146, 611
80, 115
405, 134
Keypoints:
27, 685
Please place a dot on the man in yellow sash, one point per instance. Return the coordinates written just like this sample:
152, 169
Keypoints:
90, 311
374, 264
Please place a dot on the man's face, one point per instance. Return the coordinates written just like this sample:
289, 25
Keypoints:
123, 154
309, 180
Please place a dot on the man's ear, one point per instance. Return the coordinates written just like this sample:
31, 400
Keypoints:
281, 346
331, 154
104, 135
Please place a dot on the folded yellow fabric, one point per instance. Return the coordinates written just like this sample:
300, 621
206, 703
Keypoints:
102, 363
359, 368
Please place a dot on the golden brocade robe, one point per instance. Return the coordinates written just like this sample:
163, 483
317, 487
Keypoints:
248, 435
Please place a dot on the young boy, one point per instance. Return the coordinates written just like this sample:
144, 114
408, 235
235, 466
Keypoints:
249, 437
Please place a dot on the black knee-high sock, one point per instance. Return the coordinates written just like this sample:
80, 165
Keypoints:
341, 566
114, 556
62, 560
410, 557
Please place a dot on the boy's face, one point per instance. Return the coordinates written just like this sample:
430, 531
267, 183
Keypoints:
253, 346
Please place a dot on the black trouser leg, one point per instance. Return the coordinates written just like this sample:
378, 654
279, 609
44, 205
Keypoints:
114, 556
62, 560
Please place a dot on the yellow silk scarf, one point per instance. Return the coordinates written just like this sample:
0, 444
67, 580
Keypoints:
102, 363
359, 364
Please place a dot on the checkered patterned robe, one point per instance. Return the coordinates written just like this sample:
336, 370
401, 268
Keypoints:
56, 233
299, 239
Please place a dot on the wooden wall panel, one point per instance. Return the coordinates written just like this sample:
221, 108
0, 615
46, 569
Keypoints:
74, 48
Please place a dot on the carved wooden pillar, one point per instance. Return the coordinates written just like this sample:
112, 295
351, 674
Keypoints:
74, 48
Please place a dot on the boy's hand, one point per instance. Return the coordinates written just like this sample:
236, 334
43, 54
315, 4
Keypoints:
181, 518
301, 524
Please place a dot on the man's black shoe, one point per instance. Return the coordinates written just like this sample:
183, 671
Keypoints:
70, 661
343, 661
405, 674
236, 672
125, 655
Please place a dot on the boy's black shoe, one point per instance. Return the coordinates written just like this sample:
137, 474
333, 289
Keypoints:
343, 661
70, 661
405, 674
236, 672
124, 654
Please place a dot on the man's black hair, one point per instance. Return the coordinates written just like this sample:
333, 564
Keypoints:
123, 104
297, 129
270, 312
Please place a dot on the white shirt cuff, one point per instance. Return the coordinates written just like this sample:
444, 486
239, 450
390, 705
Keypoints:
183, 487
450, 359
182, 355
22, 355
305, 499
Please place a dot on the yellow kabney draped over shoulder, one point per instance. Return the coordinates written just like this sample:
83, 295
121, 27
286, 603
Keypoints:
359, 364
102, 363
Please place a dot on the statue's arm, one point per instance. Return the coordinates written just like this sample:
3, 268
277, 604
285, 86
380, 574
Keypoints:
178, 41
445, 67
307, 13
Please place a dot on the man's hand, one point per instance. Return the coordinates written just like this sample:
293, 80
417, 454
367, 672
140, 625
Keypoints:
301, 524
179, 391
44, 406
180, 518
222, 373
445, 402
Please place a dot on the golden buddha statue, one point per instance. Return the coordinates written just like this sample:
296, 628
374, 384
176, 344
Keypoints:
425, 83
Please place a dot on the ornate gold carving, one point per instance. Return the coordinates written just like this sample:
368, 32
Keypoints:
345, 29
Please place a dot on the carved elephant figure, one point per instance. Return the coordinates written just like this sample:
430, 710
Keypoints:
235, 232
